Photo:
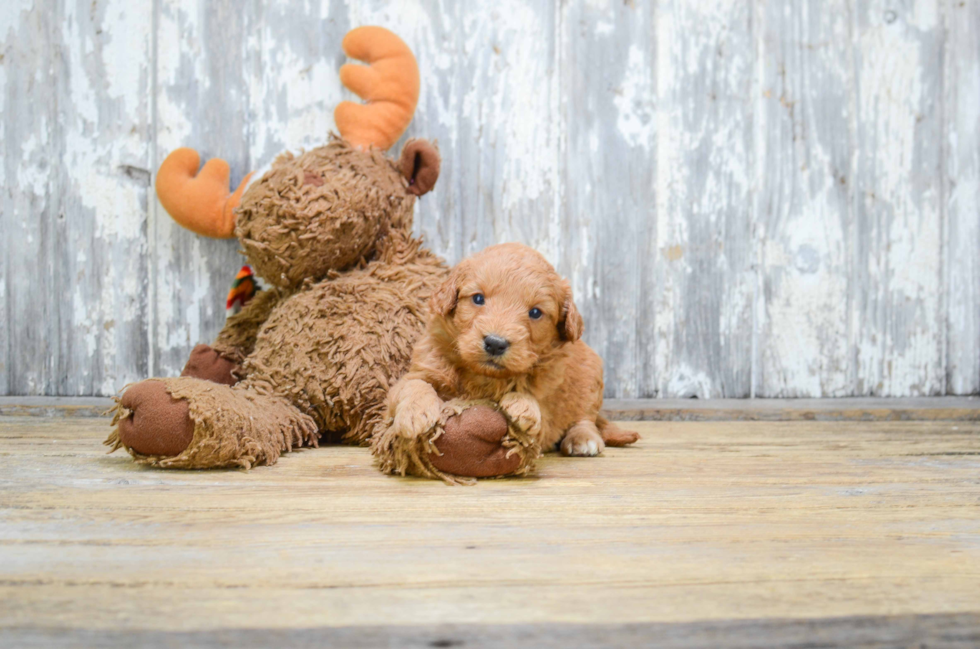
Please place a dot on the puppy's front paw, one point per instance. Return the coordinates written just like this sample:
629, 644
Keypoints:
414, 418
523, 412
582, 440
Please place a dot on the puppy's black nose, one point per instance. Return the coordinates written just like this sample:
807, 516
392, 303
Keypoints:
495, 345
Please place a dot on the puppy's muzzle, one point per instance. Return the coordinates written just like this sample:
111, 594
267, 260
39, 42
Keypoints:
495, 345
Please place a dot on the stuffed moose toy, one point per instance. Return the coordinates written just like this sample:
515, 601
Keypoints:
311, 358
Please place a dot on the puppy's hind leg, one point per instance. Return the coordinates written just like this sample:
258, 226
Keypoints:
613, 435
582, 440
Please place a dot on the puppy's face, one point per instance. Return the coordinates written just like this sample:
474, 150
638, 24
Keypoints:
504, 309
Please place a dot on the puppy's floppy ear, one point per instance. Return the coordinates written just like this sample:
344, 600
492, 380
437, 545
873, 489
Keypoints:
419, 163
570, 323
443, 301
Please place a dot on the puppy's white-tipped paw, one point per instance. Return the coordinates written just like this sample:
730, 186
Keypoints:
414, 419
579, 443
523, 411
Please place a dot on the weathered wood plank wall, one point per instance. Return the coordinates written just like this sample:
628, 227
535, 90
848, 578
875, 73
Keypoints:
769, 198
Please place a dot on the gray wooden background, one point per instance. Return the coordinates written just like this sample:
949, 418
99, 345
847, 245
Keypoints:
770, 198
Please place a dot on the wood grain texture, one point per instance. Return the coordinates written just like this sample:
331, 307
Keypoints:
700, 522
897, 288
202, 100
76, 119
608, 209
508, 136
662, 409
804, 218
704, 275
939, 631
849, 409
773, 199
961, 137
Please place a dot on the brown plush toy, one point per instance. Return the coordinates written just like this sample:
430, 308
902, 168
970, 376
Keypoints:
312, 357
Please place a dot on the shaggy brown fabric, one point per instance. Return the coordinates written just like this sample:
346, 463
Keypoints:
292, 229
331, 230
402, 456
206, 363
232, 427
334, 348
155, 423
320, 354
237, 338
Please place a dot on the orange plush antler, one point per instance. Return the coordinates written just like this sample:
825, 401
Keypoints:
390, 85
199, 201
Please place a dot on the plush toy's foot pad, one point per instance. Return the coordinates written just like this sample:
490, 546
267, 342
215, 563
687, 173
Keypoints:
472, 439
232, 427
205, 363
471, 445
157, 424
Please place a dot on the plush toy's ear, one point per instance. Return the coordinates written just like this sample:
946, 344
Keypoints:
420, 165
443, 301
570, 323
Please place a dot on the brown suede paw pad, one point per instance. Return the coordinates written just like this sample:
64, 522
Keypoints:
157, 423
205, 363
471, 445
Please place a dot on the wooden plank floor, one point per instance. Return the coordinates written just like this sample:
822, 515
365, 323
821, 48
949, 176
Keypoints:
702, 523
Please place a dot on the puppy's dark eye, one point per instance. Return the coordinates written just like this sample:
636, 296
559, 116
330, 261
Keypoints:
535, 313
478, 299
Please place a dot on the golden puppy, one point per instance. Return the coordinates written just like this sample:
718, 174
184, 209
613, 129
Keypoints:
504, 327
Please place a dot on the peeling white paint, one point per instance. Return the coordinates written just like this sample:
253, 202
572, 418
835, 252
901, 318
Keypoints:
126, 51
901, 351
804, 212
962, 273
12, 12
634, 100
705, 285
745, 197
687, 382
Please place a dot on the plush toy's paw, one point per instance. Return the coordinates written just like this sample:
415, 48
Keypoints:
157, 424
471, 445
205, 363
582, 440
471, 439
523, 412
417, 416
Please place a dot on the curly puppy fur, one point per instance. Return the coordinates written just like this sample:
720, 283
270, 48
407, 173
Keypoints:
504, 327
